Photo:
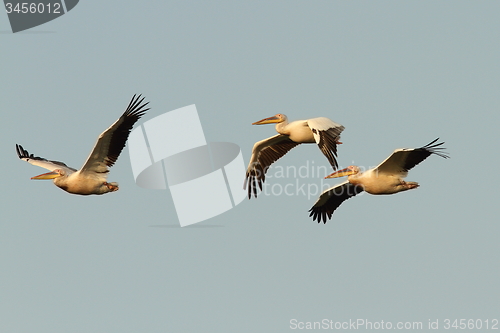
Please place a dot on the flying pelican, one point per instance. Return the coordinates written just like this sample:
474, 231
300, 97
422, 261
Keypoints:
386, 178
91, 178
323, 131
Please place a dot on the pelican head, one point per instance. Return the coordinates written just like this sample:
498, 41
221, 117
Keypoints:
350, 170
50, 175
278, 118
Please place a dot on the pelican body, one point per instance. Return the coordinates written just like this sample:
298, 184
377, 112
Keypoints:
92, 177
323, 131
386, 178
375, 182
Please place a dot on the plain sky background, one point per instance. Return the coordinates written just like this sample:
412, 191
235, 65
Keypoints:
395, 74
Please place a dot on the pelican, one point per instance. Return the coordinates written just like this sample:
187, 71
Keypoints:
323, 131
92, 177
386, 178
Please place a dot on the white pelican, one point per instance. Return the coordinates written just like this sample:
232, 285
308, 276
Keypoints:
386, 178
323, 131
91, 178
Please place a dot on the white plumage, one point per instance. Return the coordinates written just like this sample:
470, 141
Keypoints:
92, 177
386, 178
323, 131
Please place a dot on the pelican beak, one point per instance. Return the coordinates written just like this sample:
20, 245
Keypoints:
269, 120
341, 173
48, 175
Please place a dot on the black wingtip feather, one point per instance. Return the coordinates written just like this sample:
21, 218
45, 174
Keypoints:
433, 148
23, 153
336, 196
135, 107
132, 114
19, 150
328, 145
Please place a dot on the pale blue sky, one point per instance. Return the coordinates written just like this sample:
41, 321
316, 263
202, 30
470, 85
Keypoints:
395, 74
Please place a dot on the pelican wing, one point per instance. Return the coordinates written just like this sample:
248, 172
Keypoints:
331, 199
326, 133
40, 161
110, 143
405, 159
265, 153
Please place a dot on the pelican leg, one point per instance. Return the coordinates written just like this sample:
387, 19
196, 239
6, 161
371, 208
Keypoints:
112, 186
409, 185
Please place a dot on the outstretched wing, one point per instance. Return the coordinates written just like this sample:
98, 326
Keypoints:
40, 161
111, 142
327, 134
265, 153
405, 159
331, 199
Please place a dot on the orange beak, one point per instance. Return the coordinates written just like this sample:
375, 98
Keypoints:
269, 120
48, 175
341, 173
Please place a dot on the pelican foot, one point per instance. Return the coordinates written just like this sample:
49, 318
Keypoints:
112, 187
409, 185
